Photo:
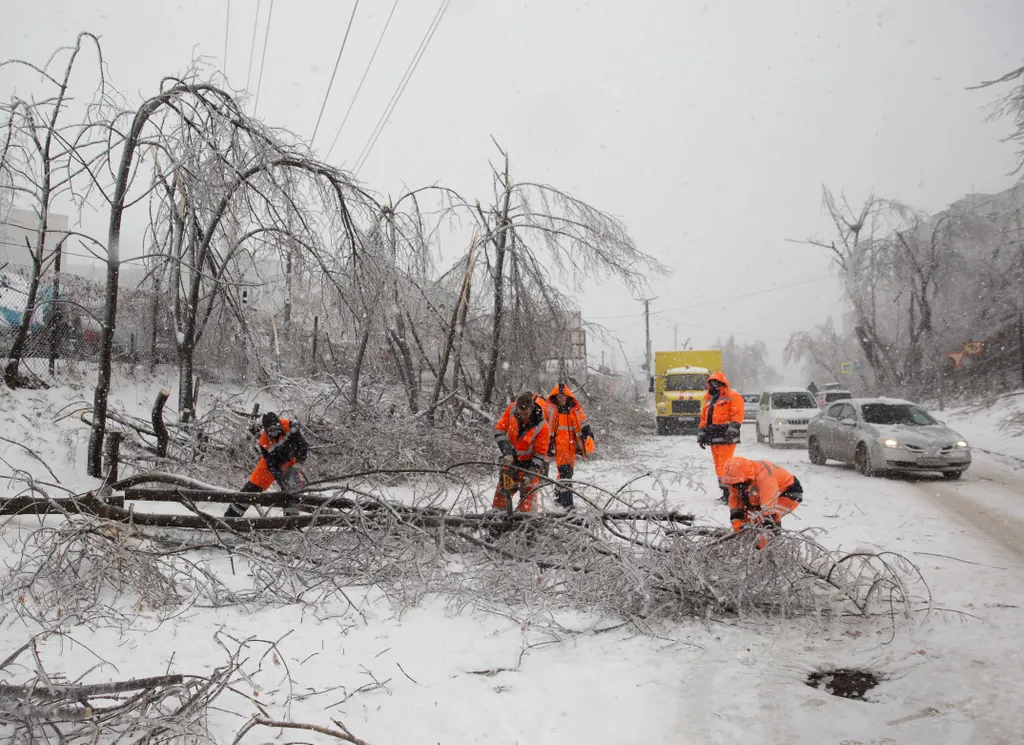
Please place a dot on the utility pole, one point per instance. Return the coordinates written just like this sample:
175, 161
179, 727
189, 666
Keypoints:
647, 336
675, 336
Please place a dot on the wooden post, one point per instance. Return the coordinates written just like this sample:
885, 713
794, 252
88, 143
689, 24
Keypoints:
316, 329
162, 437
1020, 335
56, 316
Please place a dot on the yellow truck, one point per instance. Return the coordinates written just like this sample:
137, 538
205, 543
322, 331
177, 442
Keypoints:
679, 383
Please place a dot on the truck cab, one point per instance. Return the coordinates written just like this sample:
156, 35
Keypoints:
679, 383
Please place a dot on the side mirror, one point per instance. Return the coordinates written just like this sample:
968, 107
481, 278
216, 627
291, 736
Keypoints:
650, 385
848, 422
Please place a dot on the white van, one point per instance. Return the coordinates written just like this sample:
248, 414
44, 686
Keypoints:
783, 415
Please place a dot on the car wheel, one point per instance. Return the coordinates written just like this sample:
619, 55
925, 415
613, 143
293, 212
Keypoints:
757, 431
662, 427
952, 475
862, 461
771, 437
814, 452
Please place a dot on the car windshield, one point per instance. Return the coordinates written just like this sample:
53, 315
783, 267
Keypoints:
913, 416
752, 398
686, 382
793, 400
837, 396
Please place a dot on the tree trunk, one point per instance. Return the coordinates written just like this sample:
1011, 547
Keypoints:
11, 375
500, 243
357, 368
450, 336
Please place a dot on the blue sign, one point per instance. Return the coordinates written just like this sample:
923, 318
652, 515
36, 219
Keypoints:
858, 365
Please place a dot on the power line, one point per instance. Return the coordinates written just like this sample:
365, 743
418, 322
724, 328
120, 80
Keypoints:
227, 26
386, 116
252, 46
263, 58
361, 81
744, 296
334, 72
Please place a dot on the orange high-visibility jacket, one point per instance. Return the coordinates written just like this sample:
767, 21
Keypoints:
767, 482
528, 440
568, 425
721, 417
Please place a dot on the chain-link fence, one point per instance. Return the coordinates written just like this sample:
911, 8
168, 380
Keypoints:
66, 325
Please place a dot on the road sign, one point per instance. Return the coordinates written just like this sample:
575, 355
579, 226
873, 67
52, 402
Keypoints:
973, 347
845, 368
957, 357
858, 365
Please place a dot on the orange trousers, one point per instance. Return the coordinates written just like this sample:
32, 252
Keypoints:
514, 480
720, 454
261, 475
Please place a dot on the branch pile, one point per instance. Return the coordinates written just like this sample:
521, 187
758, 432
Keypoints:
623, 554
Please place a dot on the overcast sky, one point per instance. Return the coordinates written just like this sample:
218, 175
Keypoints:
708, 127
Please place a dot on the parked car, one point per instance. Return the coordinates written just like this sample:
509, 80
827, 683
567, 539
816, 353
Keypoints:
783, 414
750, 402
831, 396
887, 435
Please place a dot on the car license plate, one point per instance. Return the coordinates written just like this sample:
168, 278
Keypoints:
688, 419
931, 462
798, 433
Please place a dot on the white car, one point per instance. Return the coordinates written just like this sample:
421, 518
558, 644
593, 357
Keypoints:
783, 415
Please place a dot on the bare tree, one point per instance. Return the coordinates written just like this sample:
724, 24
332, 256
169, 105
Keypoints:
44, 159
546, 236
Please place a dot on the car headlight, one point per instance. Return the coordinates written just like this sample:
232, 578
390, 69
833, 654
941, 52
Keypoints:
890, 442
662, 408
962, 444
780, 422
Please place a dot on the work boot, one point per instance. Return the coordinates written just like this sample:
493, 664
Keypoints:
235, 510
564, 501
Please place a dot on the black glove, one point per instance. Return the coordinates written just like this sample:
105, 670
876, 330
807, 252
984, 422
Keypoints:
702, 440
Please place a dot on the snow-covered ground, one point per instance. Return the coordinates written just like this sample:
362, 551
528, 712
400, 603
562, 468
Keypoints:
474, 676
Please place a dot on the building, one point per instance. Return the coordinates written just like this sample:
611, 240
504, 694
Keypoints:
20, 226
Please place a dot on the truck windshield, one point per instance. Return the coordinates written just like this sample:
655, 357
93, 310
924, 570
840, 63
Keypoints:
686, 382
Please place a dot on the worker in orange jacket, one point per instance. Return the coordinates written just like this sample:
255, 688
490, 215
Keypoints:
760, 493
282, 448
721, 415
523, 436
572, 435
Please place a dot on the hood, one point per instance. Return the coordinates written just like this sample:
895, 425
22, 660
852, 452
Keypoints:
564, 389
738, 470
926, 436
720, 377
795, 413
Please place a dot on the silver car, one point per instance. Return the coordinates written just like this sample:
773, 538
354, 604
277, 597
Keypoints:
750, 402
886, 435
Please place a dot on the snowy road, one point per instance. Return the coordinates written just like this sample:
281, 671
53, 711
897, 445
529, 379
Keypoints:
477, 675
951, 677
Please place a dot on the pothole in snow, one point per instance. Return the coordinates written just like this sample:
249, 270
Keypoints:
844, 682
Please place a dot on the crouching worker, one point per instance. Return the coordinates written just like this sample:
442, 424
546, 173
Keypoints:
283, 448
522, 435
760, 493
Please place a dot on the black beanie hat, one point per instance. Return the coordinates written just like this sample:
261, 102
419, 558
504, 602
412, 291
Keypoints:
270, 419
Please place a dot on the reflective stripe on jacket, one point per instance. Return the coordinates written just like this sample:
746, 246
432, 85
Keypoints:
568, 425
528, 440
718, 412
